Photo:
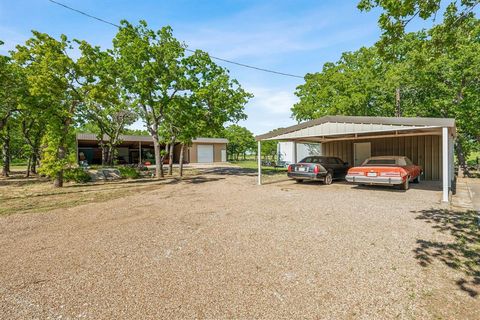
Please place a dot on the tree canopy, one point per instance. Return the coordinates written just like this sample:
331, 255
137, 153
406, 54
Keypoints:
431, 81
47, 96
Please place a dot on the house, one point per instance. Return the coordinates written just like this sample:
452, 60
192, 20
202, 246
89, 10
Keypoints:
428, 142
139, 149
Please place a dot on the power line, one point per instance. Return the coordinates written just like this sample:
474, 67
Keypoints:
186, 49
85, 14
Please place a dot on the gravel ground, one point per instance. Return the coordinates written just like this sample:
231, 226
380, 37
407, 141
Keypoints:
220, 247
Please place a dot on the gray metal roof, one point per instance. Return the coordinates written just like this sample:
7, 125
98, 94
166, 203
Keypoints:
344, 125
132, 138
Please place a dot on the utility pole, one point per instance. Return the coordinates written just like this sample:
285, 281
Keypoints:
398, 112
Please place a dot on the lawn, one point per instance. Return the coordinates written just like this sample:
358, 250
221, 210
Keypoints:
35, 194
252, 164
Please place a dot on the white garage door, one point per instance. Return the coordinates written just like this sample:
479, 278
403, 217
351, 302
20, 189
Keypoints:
205, 153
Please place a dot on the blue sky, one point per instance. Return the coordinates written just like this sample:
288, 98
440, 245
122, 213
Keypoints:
290, 36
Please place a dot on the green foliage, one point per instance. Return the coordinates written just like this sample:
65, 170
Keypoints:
77, 175
177, 97
240, 140
55, 80
432, 82
396, 15
129, 172
355, 85
136, 132
269, 149
106, 105
51, 163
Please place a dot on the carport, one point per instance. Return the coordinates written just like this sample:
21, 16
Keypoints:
428, 142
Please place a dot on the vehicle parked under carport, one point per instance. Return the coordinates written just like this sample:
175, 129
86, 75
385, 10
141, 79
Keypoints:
386, 170
325, 169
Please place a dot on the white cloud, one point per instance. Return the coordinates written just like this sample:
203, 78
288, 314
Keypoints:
271, 100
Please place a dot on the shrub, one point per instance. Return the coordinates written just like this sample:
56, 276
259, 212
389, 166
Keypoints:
129, 172
77, 175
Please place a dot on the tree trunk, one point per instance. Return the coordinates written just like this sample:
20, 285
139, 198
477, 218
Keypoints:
29, 165
181, 159
461, 159
33, 168
170, 158
398, 111
104, 154
6, 154
158, 160
163, 158
110, 155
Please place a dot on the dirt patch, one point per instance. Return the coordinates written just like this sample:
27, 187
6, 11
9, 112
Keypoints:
218, 246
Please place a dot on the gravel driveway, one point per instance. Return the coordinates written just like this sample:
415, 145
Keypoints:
219, 247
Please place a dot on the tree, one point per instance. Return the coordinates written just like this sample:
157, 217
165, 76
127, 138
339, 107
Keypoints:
441, 56
32, 121
178, 97
432, 81
13, 89
152, 75
136, 132
214, 99
269, 149
355, 85
106, 106
397, 15
240, 141
55, 78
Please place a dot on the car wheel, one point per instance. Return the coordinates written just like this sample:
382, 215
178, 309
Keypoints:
417, 179
406, 184
298, 180
328, 178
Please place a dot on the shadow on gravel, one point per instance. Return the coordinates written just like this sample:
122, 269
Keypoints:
236, 171
462, 254
193, 180
423, 185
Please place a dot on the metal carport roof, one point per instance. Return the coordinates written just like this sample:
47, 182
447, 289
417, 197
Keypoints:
331, 128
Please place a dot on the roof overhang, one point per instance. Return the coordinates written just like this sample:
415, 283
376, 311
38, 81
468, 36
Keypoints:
138, 138
332, 128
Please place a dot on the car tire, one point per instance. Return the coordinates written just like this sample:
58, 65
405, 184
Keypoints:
417, 179
328, 178
406, 184
298, 180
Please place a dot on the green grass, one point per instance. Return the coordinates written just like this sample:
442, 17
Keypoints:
252, 164
472, 158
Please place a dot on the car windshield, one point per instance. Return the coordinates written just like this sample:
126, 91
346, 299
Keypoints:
313, 160
380, 162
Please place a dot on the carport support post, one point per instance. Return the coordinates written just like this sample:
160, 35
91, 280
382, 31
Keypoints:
259, 160
295, 160
445, 164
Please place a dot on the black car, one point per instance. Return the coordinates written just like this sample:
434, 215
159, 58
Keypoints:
320, 168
